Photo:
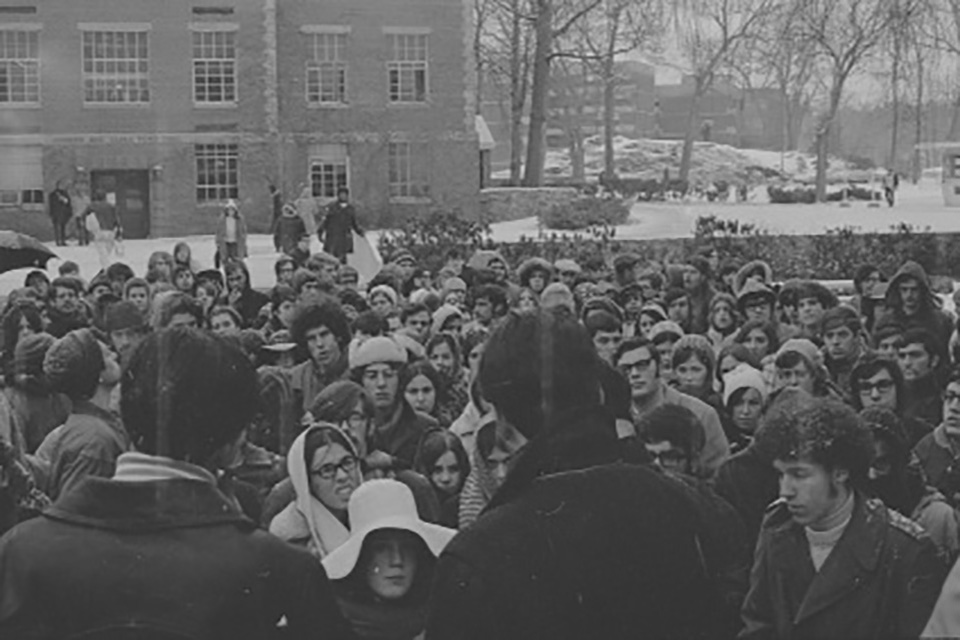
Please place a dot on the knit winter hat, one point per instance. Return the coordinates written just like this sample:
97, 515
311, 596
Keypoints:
743, 376
29, 354
386, 290
73, 362
557, 294
700, 346
664, 328
124, 315
805, 348
377, 350
565, 264
441, 315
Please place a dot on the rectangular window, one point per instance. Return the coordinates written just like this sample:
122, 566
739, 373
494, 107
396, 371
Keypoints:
407, 68
116, 67
217, 172
407, 163
214, 67
21, 177
19, 67
326, 69
328, 170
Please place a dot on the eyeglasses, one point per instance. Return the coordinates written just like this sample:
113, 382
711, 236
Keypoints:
638, 365
329, 471
880, 386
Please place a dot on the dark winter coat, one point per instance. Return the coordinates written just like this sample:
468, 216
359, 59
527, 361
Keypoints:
287, 232
337, 227
61, 323
401, 437
748, 481
59, 204
169, 555
578, 545
930, 316
880, 581
940, 459
922, 399
87, 444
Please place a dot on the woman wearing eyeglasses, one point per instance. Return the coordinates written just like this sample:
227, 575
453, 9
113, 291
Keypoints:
325, 470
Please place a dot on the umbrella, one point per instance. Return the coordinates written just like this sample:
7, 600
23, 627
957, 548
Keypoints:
19, 251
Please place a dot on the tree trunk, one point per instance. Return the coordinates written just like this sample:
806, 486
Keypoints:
533, 171
577, 167
693, 127
609, 118
918, 122
823, 143
823, 136
518, 95
954, 134
895, 85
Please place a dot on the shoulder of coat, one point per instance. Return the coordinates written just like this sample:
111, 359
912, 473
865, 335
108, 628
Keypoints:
898, 521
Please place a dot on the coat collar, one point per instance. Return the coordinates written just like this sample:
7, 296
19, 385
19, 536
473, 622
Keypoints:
145, 506
856, 555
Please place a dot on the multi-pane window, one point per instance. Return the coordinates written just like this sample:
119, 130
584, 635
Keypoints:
214, 67
21, 177
116, 67
328, 170
407, 68
217, 175
19, 67
326, 69
407, 163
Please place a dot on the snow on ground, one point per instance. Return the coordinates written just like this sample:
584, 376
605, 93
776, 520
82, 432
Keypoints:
646, 158
920, 206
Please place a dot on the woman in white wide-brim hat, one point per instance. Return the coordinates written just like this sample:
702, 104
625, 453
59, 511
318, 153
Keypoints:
382, 573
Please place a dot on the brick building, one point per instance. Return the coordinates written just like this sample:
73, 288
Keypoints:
172, 107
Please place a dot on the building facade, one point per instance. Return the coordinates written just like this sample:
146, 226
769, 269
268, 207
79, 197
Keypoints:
172, 108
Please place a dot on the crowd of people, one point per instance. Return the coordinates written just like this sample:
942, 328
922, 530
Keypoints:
542, 450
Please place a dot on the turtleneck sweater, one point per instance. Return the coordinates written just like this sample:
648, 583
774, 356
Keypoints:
824, 538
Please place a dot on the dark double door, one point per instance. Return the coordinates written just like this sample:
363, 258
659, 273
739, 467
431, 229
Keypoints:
129, 192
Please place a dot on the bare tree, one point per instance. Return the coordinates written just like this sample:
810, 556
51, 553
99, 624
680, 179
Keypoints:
624, 26
845, 34
902, 39
552, 19
785, 60
713, 36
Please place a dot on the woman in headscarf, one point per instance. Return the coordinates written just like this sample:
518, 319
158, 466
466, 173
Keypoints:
443, 351
324, 469
383, 573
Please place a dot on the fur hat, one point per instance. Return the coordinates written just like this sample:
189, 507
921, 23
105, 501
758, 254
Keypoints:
73, 364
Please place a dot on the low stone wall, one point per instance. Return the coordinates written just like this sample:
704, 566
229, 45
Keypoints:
501, 204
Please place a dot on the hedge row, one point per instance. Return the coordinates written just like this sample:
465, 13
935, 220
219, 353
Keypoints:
830, 256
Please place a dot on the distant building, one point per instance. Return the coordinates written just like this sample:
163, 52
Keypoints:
172, 107
576, 100
751, 118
